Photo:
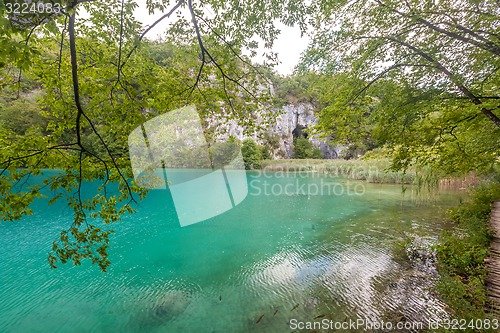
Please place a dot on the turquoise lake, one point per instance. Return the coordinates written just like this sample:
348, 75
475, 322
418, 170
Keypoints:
274, 257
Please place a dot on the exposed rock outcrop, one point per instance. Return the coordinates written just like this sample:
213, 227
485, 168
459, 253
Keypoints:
292, 119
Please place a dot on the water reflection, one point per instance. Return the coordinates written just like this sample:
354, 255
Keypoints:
252, 269
347, 282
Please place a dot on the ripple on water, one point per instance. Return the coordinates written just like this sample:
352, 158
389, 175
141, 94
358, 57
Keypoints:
250, 270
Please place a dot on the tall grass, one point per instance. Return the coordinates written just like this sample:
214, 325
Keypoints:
373, 171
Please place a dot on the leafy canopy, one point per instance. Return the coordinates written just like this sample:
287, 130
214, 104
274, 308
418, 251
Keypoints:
421, 77
99, 78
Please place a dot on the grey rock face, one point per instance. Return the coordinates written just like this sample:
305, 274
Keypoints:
280, 132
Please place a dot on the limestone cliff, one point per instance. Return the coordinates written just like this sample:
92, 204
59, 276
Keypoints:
292, 119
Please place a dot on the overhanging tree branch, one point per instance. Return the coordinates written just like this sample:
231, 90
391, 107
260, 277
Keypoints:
81, 113
235, 53
204, 54
385, 72
145, 32
473, 98
485, 44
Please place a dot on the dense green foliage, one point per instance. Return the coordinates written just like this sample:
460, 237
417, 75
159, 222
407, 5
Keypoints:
252, 154
303, 148
462, 253
418, 77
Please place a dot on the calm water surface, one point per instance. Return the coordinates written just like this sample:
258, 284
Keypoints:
251, 269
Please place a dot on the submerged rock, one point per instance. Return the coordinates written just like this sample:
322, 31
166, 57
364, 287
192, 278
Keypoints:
171, 305
167, 307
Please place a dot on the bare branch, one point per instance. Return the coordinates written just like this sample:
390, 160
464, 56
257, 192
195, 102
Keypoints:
248, 63
74, 74
59, 62
200, 43
205, 52
177, 5
38, 152
121, 41
19, 77
385, 72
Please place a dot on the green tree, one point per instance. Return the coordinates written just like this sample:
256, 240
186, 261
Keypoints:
21, 115
103, 79
426, 72
252, 155
223, 153
304, 148
265, 152
345, 122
